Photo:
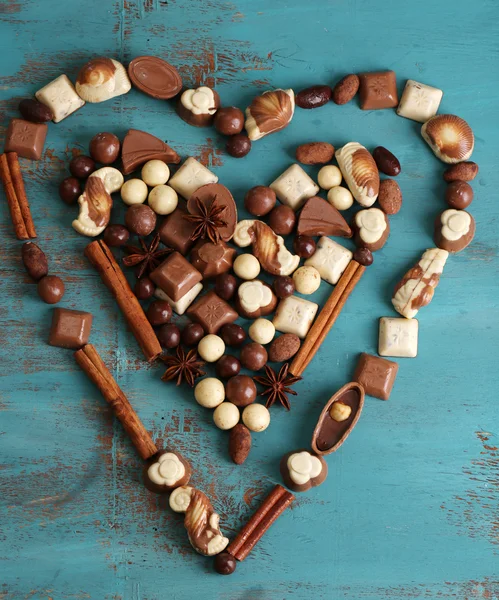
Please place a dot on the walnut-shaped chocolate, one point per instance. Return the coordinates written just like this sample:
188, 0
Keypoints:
165, 471
302, 470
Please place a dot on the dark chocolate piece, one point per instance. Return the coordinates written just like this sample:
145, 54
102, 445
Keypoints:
212, 259
159, 312
225, 563
139, 147
51, 289
282, 219
240, 390
254, 356
70, 190
116, 235
25, 138
209, 193
176, 231
378, 90
459, 194
386, 162
228, 366
70, 328
192, 334
232, 334
318, 218
155, 77
175, 276
168, 335
238, 145
376, 375
212, 312
82, 166
304, 246
226, 286
35, 111
140, 219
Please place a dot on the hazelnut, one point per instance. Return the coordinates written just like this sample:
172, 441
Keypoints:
340, 412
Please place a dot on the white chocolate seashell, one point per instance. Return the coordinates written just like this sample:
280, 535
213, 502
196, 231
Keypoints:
270, 112
450, 138
360, 172
101, 79
180, 498
112, 178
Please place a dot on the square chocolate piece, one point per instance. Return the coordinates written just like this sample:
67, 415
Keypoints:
190, 177
378, 90
26, 138
212, 312
176, 230
398, 337
376, 375
61, 97
419, 102
70, 328
176, 276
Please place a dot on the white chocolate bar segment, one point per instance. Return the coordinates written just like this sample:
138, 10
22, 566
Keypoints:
61, 97
419, 102
330, 259
294, 186
183, 303
295, 315
190, 177
398, 337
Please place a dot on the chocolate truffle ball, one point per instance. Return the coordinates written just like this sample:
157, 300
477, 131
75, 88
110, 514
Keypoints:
254, 356
238, 145
51, 289
283, 286
82, 166
232, 334
140, 219
70, 190
229, 120
240, 390
192, 334
259, 200
159, 312
282, 219
225, 285
225, 563
304, 246
459, 195
116, 235
168, 335
104, 148
363, 256
228, 366
144, 288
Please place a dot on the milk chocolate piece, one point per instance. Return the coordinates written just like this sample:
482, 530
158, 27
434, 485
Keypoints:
139, 147
378, 90
175, 276
376, 375
209, 193
165, 471
211, 312
26, 138
318, 217
302, 470
198, 106
454, 230
212, 259
176, 231
329, 434
371, 228
70, 328
255, 299
155, 77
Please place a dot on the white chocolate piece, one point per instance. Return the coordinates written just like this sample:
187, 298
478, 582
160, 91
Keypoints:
330, 259
419, 102
372, 224
209, 392
254, 295
455, 224
112, 178
256, 417
211, 348
182, 304
246, 266
100, 80
168, 470
155, 172
294, 187
200, 101
180, 498
340, 412
340, 198
163, 199
226, 416
329, 176
190, 177
360, 172
262, 331
307, 280
398, 337
61, 97
295, 315
134, 191
303, 467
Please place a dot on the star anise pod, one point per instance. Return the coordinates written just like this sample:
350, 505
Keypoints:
148, 257
278, 385
183, 366
208, 219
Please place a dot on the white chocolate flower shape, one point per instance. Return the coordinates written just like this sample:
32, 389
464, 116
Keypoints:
168, 470
371, 223
200, 101
303, 467
254, 295
455, 224
180, 498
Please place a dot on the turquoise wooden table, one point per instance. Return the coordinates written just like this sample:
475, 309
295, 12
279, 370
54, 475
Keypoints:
411, 505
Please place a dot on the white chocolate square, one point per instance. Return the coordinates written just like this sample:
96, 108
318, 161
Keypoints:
183, 303
330, 259
295, 315
398, 337
190, 177
419, 102
294, 186
61, 97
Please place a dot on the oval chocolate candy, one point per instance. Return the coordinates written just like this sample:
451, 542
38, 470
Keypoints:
155, 77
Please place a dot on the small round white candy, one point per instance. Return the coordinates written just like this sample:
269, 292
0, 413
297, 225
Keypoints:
262, 331
329, 176
211, 348
256, 417
134, 191
209, 392
155, 172
226, 416
307, 280
340, 198
246, 266
163, 199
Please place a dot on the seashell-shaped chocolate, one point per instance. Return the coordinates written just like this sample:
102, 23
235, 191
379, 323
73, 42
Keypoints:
450, 138
330, 433
101, 79
268, 113
360, 172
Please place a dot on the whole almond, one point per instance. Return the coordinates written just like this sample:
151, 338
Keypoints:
390, 196
464, 171
34, 260
315, 153
239, 443
313, 97
35, 111
345, 89
284, 347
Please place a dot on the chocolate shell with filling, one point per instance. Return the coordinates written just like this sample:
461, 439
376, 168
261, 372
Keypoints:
318, 217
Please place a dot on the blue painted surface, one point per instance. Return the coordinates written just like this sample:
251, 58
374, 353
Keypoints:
411, 505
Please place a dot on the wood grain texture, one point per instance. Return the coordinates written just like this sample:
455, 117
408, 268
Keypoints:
410, 507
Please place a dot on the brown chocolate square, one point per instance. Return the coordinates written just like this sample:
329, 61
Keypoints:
70, 328
376, 375
26, 138
212, 312
176, 230
378, 90
176, 276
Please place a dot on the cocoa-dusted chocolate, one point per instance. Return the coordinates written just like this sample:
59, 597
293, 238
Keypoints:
34, 260
139, 147
240, 390
225, 286
270, 112
239, 443
212, 195
51, 289
70, 328
238, 145
165, 471
104, 148
212, 259
282, 219
390, 196
283, 286
463, 171
304, 246
319, 218
378, 90
454, 230
168, 335
228, 366
212, 312
176, 231
82, 166
346, 89
314, 96
34, 111
175, 276
198, 106
259, 200
255, 299
140, 219
116, 235
314, 153
253, 356
386, 162
232, 334
229, 120
284, 347
192, 334
376, 375
155, 77
144, 288
459, 194
25, 138
302, 470
371, 228
159, 312
70, 190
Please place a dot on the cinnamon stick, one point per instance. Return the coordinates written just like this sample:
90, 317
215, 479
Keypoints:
14, 208
89, 360
22, 199
101, 257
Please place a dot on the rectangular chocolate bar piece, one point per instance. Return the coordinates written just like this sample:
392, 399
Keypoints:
70, 328
176, 230
26, 138
378, 90
376, 375
176, 276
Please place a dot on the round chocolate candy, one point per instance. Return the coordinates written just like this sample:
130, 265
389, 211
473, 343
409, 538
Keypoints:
229, 120
228, 366
140, 219
238, 145
259, 200
283, 286
82, 166
254, 356
304, 246
192, 334
144, 288
225, 563
282, 219
240, 390
363, 256
168, 335
159, 312
104, 148
232, 334
51, 289
116, 235
70, 190
225, 286
459, 195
